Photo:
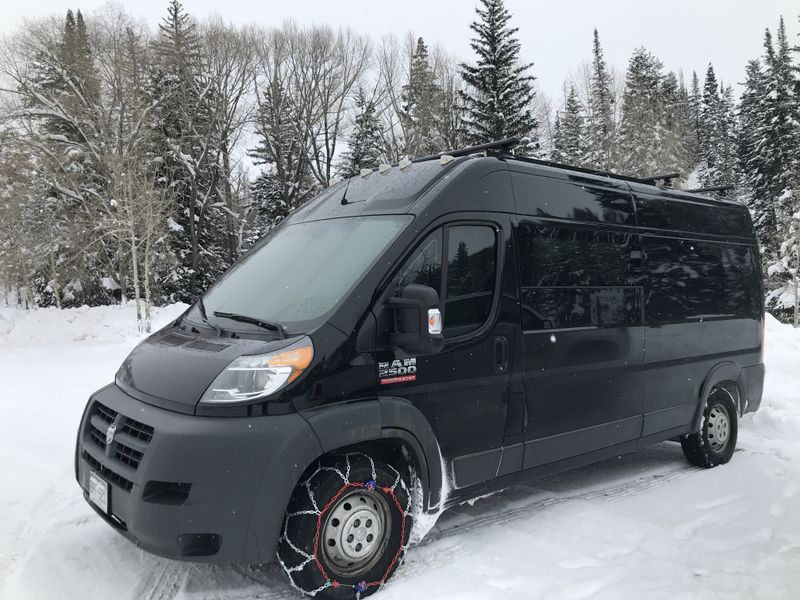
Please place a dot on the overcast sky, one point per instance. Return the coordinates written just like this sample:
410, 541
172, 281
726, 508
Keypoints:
556, 36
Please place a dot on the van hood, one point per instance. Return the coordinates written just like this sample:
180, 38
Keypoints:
172, 369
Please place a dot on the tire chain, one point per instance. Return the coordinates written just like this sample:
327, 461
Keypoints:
311, 558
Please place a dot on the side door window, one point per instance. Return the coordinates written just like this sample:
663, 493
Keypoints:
576, 277
470, 278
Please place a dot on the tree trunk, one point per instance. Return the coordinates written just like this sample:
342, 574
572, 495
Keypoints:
146, 279
796, 274
136, 294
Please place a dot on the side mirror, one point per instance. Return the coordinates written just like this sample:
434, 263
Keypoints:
417, 320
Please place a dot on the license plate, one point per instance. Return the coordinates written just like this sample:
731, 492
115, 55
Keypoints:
98, 491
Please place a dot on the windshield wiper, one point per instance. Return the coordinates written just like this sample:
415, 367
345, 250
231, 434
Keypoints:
276, 327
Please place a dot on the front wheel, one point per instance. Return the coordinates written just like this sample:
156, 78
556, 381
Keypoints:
715, 442
347, 527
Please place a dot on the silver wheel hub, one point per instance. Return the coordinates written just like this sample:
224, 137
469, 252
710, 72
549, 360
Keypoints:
354, 532
719, 427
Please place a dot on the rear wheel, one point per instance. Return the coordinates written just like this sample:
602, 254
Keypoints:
347, 527
715, 442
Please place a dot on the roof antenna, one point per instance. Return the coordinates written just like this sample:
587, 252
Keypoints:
346, 187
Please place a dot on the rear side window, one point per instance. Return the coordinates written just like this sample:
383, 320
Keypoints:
694, 217
576, 277
692, 280
578, 199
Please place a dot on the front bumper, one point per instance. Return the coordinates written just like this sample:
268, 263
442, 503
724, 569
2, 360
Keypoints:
193, 488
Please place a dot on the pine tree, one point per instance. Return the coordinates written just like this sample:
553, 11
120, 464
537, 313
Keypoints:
569, 138
365, 143
695, 102
421, 113
780, 148
61, 106
640, 128
600, 126
498, 101
188, 166
676, 152
288, 181
717, 136
710, 107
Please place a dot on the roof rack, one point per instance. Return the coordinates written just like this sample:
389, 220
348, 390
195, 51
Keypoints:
713, 188
587, 170
505, 144
502, 149
666, 178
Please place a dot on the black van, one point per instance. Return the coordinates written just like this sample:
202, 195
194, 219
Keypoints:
415, 337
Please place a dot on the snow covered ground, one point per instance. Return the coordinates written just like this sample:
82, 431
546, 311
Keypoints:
644, 525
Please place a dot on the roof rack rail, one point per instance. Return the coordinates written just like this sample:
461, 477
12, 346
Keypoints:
712, 188
502, 149
505, 144
666, 178
587, 170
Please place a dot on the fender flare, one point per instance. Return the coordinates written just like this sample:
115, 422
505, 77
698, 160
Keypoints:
725, 371
345, 424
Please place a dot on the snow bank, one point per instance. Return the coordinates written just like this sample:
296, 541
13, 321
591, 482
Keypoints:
21, 328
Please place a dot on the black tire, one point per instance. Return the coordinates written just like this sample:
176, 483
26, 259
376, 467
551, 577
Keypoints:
715, 443
327, 547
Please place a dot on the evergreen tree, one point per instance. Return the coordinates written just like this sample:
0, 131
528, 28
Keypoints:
498, 101
365, 141
640, 129
188, 165
779, 148
558, 141
717, 137
600, 126
676, 153
710, 107
61, 104
422, 107
288, 181
569, 138
695, 102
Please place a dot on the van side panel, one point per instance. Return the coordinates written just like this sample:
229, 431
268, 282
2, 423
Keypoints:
702, 302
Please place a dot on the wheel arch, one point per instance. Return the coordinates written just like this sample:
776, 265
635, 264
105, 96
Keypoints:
728, 376
386, 424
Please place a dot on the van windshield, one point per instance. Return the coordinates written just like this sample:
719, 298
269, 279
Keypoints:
301, 271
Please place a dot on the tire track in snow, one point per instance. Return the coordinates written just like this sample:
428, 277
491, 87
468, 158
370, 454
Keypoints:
610, 493
44, 518
164, 582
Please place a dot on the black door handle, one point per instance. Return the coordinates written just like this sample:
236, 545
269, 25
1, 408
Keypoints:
500, 354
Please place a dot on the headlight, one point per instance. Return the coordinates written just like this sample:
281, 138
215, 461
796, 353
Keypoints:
258, 376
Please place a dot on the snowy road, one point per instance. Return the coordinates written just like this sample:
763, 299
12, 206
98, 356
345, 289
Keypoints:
644, 525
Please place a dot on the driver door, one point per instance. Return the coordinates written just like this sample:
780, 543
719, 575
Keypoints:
462, 390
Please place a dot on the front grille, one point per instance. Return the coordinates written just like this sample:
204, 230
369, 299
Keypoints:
105, 472
138, 430
129, 456
127, 448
